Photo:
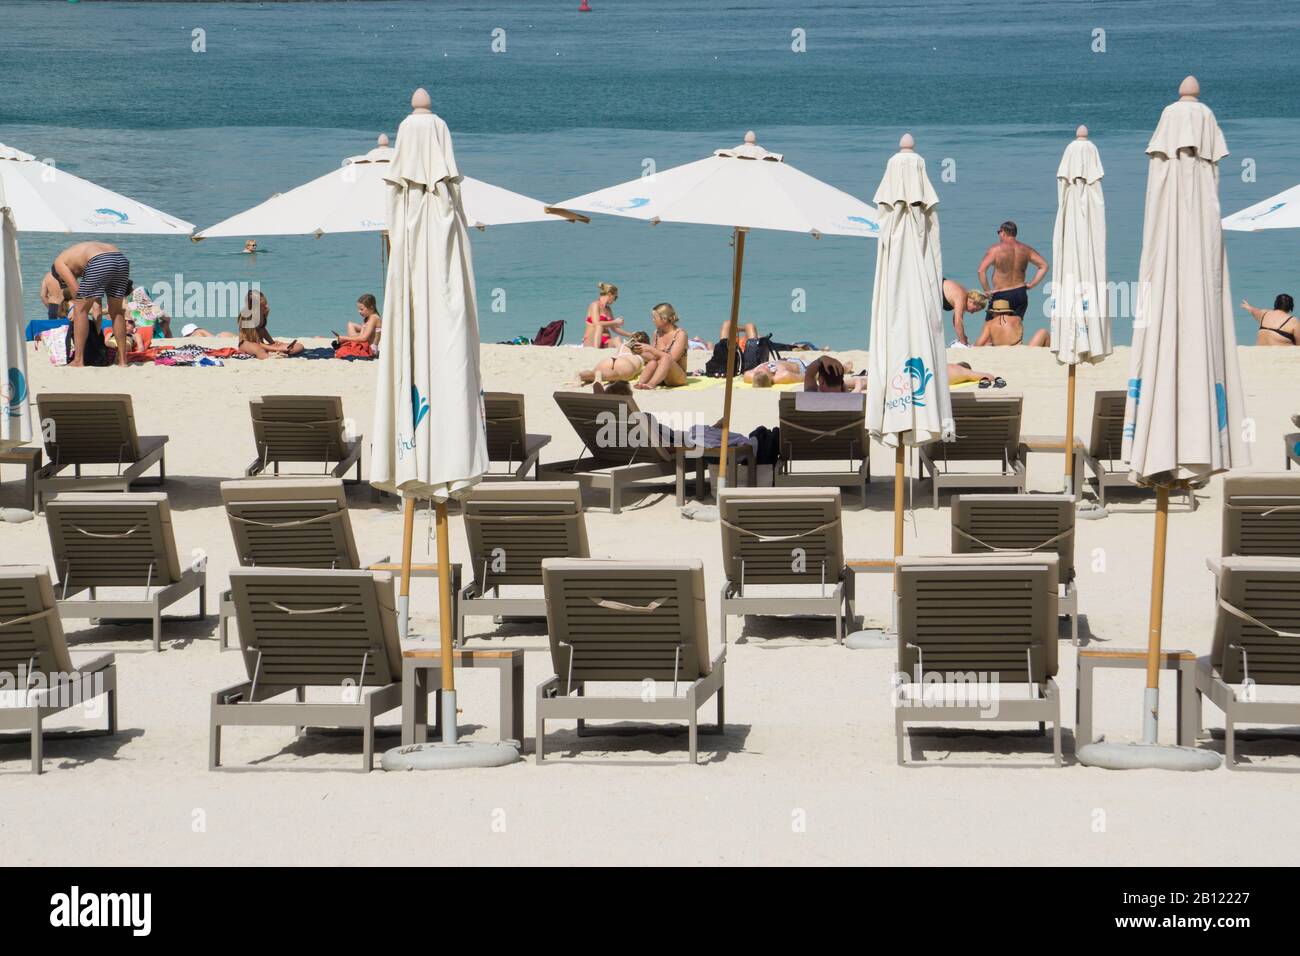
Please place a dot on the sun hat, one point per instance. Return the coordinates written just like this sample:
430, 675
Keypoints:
1001, 305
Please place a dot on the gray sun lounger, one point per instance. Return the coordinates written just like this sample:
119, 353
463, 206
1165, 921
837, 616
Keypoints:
984, 524
508, 439
120, 541
289, 523
301, 629
776, 538
84, 431
988, 433
297, 429
1256, 645
828, 431
1104, 456
974, 621
1261, 515
616, 450
512, 527
627, 622
44, 677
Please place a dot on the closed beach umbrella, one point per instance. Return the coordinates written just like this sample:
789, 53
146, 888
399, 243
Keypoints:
15, 413
1277, 212
1080, 307
430, 439
907, 386
1184, 415
745, 187
47, 199
354, 198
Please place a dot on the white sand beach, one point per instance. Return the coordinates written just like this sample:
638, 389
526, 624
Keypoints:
805, 772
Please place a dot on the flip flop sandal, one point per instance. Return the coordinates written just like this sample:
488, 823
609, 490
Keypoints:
999, 382
985, 383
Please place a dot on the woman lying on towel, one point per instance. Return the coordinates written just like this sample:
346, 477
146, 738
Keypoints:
822, 374
254, 339
625, 366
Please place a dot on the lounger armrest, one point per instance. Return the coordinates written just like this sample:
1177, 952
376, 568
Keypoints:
1215, 565
234, 694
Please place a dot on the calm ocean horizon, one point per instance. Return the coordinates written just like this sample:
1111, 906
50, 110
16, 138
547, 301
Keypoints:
991, 91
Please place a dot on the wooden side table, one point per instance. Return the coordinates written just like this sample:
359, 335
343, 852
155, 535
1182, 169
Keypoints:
422, 674
1055, 445
1181, 661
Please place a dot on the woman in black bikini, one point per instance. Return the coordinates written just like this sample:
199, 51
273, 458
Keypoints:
1278, 325
665, 357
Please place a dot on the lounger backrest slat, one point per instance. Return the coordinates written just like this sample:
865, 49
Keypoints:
821, 435
626, 620
1267, 590
991, 524
506, 432
988, 429
782, 535
316, 628
122, 540
298, 524
88, 429
513, 526
978, 615
1106, 443
1261, 515
611, 427
298, 428
31, 633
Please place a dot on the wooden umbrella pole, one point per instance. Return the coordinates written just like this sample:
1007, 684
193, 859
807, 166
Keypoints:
1150, 722
444, 596
898, 507
1069, 432
737, 267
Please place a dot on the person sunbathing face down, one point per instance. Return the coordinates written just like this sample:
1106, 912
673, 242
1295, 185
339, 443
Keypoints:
626, 364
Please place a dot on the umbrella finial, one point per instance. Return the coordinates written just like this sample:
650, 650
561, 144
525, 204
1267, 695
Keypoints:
421, 101
750, 138
1081, 133
1189, 89
383, 140
907, 143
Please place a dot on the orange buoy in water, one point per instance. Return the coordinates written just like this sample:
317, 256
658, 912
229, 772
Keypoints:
584, 8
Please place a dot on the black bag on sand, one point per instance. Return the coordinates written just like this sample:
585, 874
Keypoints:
768, 444
758, 351
97, 353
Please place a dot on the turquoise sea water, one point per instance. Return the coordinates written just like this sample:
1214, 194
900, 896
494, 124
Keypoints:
114, 92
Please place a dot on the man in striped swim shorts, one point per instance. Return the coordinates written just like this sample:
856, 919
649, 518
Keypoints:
91, 271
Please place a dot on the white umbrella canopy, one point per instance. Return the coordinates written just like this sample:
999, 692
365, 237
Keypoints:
1277, 212
353, 198
1183, 419
15, 408
47, 199
745, 186
1080, 319
908, 402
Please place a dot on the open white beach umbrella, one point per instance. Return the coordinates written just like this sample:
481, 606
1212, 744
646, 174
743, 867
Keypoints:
15, 407
745, 187
354, 198
1184, 416
908, 402
1277, 212
44, 198
1080, 310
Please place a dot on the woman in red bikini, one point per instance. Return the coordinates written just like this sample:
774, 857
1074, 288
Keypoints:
601, 320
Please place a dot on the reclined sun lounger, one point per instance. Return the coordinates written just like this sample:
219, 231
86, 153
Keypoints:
96, 432
969, 627
41, 677
1256, 646
293, 523
301, 629
627, 622
984, 524
507, 435
120, 541
512, 527
827, 430
300, 429
776, 539
988, 433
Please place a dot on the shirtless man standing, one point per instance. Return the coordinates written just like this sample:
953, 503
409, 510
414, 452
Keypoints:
1009, 258
91, 270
